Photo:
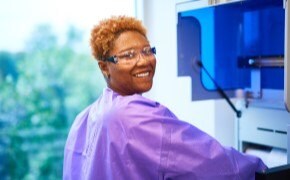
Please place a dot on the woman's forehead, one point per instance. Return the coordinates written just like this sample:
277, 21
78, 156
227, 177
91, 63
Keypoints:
129, 40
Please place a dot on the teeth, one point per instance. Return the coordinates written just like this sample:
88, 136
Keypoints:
142, 74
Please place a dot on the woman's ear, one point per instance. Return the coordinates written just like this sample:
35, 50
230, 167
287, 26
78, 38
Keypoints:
104, 68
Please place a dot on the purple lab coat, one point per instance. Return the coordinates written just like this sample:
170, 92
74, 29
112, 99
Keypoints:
134, 138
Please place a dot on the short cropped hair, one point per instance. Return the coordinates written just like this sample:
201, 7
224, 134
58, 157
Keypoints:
105, 33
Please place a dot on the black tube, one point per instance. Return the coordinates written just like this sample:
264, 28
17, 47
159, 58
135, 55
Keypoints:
220, 90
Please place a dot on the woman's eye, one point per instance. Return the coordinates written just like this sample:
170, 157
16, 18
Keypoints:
147, 51
129, 55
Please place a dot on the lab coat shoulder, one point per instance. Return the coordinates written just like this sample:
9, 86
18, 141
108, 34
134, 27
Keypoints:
134, 128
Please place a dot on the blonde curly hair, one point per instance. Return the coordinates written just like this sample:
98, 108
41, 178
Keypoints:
104, 34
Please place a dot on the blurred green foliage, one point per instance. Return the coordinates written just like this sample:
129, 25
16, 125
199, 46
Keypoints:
41, 91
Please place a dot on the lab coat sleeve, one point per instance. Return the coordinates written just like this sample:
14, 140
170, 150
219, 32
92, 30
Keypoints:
192, 152
178, 150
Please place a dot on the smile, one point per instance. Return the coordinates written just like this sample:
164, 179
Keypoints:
145, 74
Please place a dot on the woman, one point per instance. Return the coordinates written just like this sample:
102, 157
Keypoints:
123, 135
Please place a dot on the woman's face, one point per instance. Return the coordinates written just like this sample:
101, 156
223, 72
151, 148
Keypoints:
133, 77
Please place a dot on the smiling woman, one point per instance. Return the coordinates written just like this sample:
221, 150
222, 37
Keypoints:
123, 135
124, 55
133, 77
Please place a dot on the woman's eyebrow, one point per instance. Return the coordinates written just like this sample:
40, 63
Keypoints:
132, 48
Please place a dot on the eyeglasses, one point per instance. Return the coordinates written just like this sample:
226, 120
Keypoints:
132, 56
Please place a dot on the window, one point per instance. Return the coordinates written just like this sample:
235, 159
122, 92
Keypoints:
47, 76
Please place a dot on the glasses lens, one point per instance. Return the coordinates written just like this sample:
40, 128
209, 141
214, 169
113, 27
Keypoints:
132, 56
